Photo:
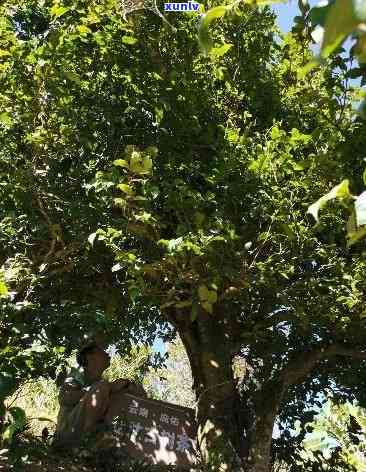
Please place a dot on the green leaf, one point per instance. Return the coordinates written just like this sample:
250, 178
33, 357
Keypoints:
3, 288
356, 236
121, 163
204, 38
288, 231
213, 14
355, 73
298, 137
208, 307
18, 415
6, 119
73, 76
152, 151
125, 188
232, 135
364, 176
129, 40
120, 202
203, 292
276, 133
57, 11
340, 22
144, 217
159, 114
140, 164
17, 424
7, 385
221, 50
212, 296
207, 296
318, 15
304, 71
146, 165
83, 29
339, 191
296, 166
9, 433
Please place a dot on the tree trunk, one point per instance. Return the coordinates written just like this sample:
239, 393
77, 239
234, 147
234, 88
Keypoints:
220, 431
259, 454
231, 435
266, 404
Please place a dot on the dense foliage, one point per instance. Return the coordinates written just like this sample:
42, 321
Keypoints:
144, 183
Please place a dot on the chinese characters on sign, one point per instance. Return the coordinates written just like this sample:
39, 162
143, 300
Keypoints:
158, 432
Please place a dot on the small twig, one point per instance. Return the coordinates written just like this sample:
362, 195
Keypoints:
51, 228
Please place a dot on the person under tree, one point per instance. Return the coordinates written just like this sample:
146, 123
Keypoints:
87, 401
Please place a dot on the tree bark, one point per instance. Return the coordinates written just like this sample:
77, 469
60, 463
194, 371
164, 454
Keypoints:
259, 457
266, 406
234, 434
220, 429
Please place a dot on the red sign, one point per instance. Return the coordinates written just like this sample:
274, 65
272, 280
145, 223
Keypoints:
156, 431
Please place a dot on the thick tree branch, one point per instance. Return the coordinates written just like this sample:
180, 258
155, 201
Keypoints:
302, 364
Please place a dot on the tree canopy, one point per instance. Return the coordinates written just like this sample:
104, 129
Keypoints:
147, 187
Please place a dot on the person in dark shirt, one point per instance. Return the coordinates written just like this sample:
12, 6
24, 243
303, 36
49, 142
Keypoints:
86, 400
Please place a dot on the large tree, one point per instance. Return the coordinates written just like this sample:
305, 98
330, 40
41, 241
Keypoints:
143, 183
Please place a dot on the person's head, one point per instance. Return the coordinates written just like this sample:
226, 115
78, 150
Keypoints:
93, 359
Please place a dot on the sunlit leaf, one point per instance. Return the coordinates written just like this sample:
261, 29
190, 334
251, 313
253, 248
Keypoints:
204, 38
146, 164
57, 11
221, 50
340, 22
140, 164
83, 29
116, 267
125, 188
339, 191
121, 163
129, 40
6, 119
120, 202
3, 288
